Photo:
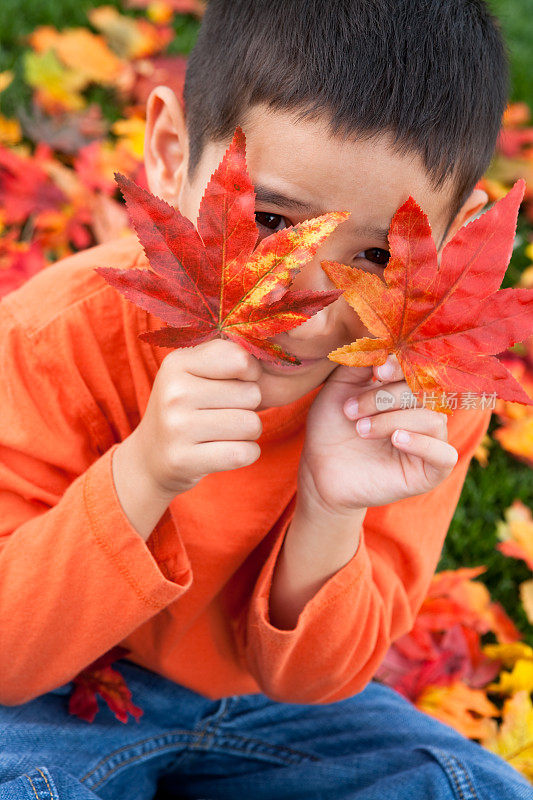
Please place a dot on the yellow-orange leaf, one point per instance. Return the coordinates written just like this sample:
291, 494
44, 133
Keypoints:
516, 533
471, 600
521, 678
159, 12
465, 709
10, 132
515, 114
517, 437
505, 171
516, 433
516, 363
129, 37
131, 133
526, 596
57, 87
513, 741
85, 52
195, 7
509, 652
481, 452
5, 79
526, 278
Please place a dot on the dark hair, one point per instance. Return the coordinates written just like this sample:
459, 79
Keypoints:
432, 72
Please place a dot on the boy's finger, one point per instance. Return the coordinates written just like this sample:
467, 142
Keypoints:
222, 393
218, 359
383, 398
222, 424
440, 456
223, 455
419, 420
350, 376
390, 370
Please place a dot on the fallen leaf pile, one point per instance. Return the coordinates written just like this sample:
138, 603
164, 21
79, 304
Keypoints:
440, 664
58, 158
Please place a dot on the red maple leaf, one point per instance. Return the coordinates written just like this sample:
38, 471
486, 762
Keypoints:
100, 678
210, 281
443, 321
457, 656
150, 72
25, 187
18, 261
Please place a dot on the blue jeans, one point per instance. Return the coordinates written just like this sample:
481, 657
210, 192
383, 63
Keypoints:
372, 746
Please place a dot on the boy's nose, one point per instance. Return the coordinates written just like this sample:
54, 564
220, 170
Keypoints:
313, 278
320, 324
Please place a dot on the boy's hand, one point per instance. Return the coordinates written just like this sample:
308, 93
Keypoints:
199, 418
342, 471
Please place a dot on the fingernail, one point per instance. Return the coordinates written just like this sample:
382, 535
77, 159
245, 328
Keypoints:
401, 437
351, 407
386, 370
363, 425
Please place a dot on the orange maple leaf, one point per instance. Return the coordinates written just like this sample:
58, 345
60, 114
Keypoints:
513, 740
467, 710
443, 321
516, 532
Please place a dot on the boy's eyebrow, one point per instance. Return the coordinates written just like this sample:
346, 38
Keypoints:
265, 195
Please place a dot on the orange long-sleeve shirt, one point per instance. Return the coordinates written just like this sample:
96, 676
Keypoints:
190, 603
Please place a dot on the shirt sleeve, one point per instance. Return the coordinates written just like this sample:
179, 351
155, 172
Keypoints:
345, 629
76, 578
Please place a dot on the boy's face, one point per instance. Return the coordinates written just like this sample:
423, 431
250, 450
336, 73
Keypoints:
299, 171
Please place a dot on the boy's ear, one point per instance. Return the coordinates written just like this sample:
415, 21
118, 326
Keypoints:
166, 145
473, 204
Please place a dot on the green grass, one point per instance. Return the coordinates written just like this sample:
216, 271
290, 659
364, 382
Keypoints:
516, 18
471, 539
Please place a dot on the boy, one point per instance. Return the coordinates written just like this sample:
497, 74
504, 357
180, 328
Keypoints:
225, 519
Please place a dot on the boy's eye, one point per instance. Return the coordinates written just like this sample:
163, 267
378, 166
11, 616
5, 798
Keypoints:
270, 221
376, 255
